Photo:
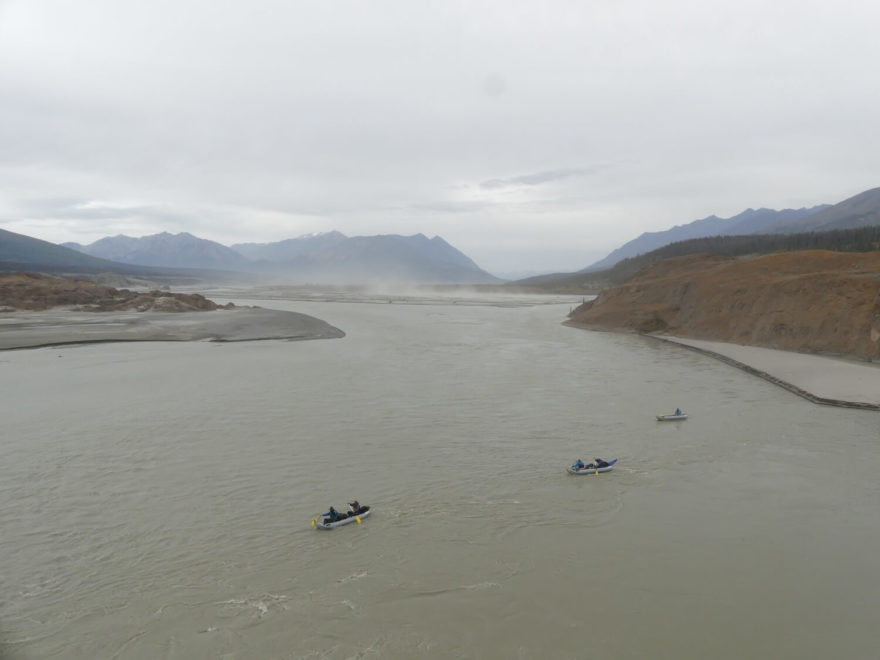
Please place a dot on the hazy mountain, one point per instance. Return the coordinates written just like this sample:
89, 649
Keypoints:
763, 220
330, 258
750, 221
862, 210
384, 259
20, 253
165, 250
289, 249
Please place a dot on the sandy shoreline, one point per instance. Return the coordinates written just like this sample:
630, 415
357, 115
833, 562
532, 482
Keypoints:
23, 329
823, 380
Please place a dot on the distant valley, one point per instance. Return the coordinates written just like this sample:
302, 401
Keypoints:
335, 259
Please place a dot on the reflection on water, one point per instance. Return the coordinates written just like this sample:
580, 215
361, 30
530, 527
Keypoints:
155, 498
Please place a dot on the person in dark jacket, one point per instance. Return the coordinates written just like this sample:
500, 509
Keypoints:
355, 507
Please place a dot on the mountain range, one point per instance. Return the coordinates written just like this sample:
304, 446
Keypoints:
330, 258
750, 221
20, 250
289, 249
861, 210
164, 251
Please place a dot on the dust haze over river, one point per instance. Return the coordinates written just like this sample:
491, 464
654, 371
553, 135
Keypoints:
155, 498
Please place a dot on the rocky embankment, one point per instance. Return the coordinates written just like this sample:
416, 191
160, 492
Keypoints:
28, 291
811, 301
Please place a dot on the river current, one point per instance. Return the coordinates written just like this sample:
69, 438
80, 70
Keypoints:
156, 498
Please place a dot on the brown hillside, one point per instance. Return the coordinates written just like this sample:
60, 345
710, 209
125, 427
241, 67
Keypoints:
28, 291
811, 301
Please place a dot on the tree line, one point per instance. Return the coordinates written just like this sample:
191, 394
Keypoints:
861, 239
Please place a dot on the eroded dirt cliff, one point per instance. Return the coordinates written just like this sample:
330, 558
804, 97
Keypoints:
812, 301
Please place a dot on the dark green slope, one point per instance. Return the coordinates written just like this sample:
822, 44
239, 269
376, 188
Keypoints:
20, 253
27, 251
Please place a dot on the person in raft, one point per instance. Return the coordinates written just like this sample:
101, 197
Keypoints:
355, 507
579, 465
678, 411
597, 463
332, 515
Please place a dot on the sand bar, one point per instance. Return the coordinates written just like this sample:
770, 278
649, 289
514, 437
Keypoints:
23, 329
825, 380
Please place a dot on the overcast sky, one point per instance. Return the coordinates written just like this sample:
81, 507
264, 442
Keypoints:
530, 135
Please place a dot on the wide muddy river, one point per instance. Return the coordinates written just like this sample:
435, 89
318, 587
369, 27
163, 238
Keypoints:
156, 498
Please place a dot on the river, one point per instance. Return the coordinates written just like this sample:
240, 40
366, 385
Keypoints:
156, 498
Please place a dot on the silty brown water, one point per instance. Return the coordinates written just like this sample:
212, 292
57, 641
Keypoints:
155, 498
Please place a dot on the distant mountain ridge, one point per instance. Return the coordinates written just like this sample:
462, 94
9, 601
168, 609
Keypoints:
24, 250
330, 258
20, 253
289, 249
750, 221
390, 258
164, 250
862, 210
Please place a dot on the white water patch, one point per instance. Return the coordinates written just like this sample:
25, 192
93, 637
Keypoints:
352, 578
259, 606
482, 585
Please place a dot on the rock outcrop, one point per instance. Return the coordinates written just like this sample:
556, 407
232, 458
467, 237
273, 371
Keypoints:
810, 301
28, 291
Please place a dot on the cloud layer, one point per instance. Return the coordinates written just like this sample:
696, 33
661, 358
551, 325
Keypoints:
532, 136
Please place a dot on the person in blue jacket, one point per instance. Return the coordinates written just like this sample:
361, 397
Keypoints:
579, 465
332, 514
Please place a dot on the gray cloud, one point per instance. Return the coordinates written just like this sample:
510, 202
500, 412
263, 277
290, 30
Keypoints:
72, 209
77, 209
536, 179
452, 206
